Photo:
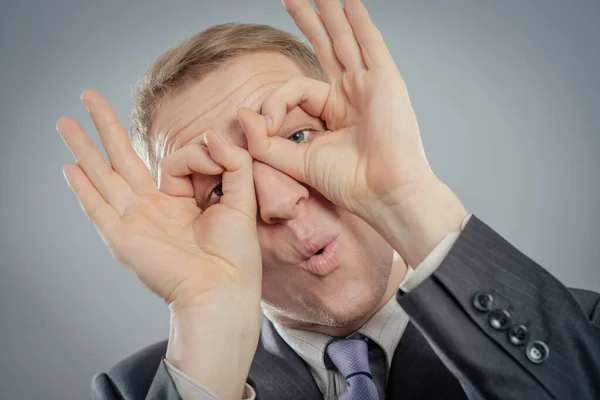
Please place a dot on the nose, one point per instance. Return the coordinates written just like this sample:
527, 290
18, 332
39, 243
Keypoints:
279, 196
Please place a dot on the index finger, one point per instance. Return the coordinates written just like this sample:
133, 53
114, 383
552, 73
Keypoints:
175, 169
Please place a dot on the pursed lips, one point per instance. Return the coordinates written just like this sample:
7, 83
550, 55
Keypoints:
312, 243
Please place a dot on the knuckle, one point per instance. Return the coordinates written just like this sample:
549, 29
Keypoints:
344, 42
244, 159
93, 213
296, 10
105, 172
130, 161
113, 125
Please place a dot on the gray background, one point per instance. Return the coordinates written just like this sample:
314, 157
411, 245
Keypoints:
506, 93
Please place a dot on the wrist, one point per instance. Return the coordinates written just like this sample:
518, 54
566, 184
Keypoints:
214, 346
414, 220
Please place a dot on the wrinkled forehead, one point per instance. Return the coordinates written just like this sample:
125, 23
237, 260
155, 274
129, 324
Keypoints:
213, 101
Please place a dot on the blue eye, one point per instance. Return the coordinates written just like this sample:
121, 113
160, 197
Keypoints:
300, 136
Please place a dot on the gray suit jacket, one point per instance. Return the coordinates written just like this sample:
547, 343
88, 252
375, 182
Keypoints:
450, 350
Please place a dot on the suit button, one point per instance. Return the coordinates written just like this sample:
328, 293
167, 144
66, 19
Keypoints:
517, 334
483, 301
499, 319
537, 352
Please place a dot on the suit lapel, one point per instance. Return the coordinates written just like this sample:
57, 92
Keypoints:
418, 373
277, 372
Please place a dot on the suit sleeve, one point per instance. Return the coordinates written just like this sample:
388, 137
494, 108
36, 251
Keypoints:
504, 326
120, 386
146, 374
142, 375
191, 389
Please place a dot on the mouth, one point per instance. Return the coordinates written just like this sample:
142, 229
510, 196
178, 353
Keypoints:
325, 259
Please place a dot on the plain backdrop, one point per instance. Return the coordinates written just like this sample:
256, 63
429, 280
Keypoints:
506, 94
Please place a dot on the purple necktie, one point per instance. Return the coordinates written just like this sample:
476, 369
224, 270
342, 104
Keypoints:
351, 358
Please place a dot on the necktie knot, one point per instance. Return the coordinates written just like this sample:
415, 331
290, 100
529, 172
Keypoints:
351, 358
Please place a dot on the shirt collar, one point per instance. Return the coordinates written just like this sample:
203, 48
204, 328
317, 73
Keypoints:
385, 328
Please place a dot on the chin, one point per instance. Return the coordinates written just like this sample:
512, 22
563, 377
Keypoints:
345, 298
350, 304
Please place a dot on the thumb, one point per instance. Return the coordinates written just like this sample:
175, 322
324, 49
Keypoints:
281, 154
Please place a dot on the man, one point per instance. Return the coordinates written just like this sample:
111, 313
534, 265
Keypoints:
288, 192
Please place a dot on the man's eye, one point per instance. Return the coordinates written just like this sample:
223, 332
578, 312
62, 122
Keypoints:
218, 190
214, 196
300, 136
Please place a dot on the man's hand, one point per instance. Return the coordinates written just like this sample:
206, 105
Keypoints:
206, 266
372, 161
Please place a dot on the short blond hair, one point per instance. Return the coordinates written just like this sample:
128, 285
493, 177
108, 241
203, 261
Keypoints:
190, 60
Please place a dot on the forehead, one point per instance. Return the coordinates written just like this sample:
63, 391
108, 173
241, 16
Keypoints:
213, 101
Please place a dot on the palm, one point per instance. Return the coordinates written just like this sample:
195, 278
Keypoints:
370, 140
174, 249
166, 242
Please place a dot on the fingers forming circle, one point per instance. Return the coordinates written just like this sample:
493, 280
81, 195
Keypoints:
238, 181
311, 95
175, 169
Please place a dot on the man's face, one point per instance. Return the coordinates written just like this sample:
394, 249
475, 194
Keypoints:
291, 215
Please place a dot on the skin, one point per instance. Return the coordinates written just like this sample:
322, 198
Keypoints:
336, 304
366, 172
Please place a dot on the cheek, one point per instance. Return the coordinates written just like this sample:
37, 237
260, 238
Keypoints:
268, 245
281, 284
277, 279
366, 244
